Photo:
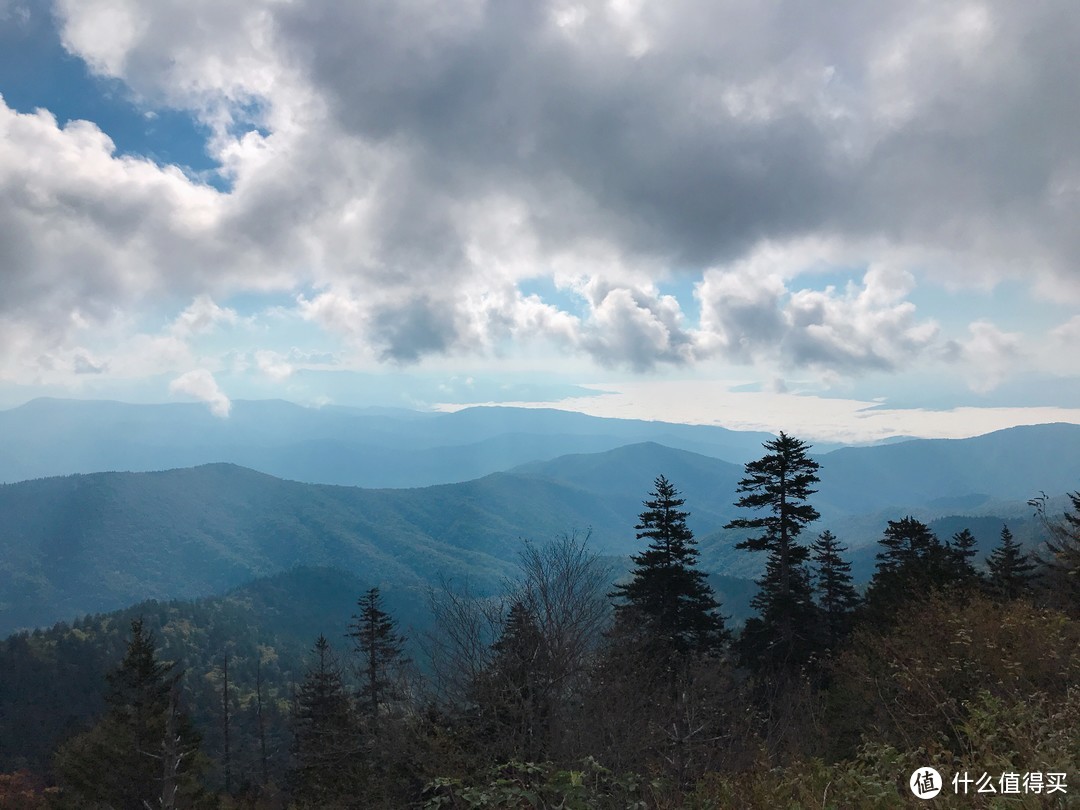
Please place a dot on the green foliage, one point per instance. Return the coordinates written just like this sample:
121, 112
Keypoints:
669, 598
935, 674
912, 563
590, 786
380, 654
513, 694
966, 548
1060, 559
53, 680
912, 684
836, 597
143, 749
325, 736
1010, 569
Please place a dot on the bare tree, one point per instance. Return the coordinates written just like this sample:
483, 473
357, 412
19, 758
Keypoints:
262, 719
459, 645
518, 672
564, 589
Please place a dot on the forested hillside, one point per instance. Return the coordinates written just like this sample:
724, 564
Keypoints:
98, 542
54, 679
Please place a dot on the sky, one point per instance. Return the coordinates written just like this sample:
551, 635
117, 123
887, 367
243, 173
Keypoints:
846, 220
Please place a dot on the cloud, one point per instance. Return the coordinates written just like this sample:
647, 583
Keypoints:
85, 363
200, 384
986, 356
741, 315
811, 417
750, 315
201, 317
415, 164
634, 327
1068, 334
865, 328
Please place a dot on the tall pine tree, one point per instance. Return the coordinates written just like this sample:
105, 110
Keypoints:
668, 595
325, 746
964, 549
836, 597
912, 562
1009, 567
380, 650
143, 752
780, 483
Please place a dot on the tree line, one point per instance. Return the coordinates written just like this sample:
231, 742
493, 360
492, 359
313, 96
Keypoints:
570, 690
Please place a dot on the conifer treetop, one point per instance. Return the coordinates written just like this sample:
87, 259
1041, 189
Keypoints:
780, 481
668, 592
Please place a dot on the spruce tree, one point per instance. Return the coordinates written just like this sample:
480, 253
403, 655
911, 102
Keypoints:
1059, 557
668, 598
836, 595
381, 657
906, 545
143, 751
964, 549
324, 736
780, 482
911, 563
1009, 567
516, 688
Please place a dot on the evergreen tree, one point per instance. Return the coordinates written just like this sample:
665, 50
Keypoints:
964, 548
516, 688
324, 737
1009, 567
906, 544
381, 654
836, 595
143, 752
668, 595
1059, 557
912, 562
780, 482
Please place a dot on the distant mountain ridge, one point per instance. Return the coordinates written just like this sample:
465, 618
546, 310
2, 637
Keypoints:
101, 541
1011, 464
357, 447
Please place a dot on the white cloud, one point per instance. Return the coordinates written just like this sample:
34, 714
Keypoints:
634, 327
201, 317
273, 365
741, 315
414, 165
871, 327
986, 356
1068, 333
200, 384
750, 314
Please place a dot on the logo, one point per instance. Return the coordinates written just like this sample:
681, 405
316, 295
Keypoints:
925, 783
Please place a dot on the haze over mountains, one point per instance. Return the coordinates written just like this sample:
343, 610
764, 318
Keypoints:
373, 448
104, 540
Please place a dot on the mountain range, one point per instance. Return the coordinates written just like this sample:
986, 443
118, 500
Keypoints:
360, 447
100, 541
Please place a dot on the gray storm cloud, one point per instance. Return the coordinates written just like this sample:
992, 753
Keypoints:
678, 137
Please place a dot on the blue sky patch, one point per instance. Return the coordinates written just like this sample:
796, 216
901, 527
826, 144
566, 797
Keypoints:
36, 72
